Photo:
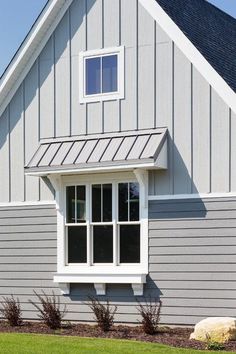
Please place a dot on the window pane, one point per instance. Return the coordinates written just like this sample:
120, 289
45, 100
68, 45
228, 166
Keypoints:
70, 204
81, 204
109, 73
123, 201
134, 201
107, 202
129, 243
77, 244
103, 244
96, 203
93, 76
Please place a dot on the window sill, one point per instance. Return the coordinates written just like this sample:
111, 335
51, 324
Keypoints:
101, 97
100, 280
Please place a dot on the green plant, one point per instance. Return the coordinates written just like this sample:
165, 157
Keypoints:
104, 314
11, 311
50, 311
215, 346
150, 313
211, 345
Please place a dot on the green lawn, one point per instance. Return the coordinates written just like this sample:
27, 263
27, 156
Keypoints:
42, 344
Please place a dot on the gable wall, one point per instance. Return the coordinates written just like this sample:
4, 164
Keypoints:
162, 88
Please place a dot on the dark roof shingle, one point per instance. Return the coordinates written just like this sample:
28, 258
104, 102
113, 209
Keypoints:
212, 31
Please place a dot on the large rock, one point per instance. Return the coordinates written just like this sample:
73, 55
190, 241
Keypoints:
215, 329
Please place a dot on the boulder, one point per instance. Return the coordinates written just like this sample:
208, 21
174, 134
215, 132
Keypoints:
215, 329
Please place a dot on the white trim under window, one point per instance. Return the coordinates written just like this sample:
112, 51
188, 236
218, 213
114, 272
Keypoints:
100, 273
101, 96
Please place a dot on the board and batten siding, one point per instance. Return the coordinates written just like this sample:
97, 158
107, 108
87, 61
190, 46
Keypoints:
192, 262
162, 89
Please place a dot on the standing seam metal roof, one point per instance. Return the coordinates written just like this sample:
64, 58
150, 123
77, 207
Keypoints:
119, 149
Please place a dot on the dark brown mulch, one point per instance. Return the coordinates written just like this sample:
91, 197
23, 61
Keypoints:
176, 337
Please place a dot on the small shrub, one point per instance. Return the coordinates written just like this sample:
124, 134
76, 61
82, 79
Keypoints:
215, 346
11, 311
104, 314
211, 345
50, 311
150, 313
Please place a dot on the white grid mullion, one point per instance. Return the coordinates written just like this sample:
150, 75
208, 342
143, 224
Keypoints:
75, 204
128, 222
101, 80
88, 220
102, 223
128, 203
101, 203
114, 218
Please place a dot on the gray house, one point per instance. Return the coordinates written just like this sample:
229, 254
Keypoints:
118, 159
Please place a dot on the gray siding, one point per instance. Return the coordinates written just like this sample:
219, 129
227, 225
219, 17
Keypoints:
47, 103
192, 264
192, 250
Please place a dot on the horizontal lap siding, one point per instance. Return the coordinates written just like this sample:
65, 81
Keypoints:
192, 257
28, 261
27, 252
192, 268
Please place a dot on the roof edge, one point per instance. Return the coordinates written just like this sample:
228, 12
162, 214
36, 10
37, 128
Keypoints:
191, 52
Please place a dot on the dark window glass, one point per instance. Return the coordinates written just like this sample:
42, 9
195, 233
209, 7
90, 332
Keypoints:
81, 204
93, 76
96, 203
77, 244
103, 244
107, 202
70, 204
109, 73
129, 243
134, 201
123, 201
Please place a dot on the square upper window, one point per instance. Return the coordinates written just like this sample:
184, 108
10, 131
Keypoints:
103, 75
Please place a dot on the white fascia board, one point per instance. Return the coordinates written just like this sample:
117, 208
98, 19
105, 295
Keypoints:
191, 52
30, 50
117, 168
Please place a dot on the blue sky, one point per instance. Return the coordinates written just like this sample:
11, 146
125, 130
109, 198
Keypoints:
17, 16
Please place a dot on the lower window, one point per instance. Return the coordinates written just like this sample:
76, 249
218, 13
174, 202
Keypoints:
103, 223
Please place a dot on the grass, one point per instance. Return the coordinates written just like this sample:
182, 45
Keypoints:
44, 344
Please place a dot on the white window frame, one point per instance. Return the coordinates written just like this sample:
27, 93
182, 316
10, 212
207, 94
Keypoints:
101, 274
89, 224
108, 96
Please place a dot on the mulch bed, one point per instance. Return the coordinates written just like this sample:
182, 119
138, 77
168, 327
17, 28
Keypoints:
175, 337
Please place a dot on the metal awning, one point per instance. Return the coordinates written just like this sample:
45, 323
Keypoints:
119, 151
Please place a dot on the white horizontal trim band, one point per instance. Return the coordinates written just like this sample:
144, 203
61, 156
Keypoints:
32, 203
192, 196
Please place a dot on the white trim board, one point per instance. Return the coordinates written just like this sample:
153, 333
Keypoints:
23, 204
191, 196
120, 93
100, 274
191, 52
